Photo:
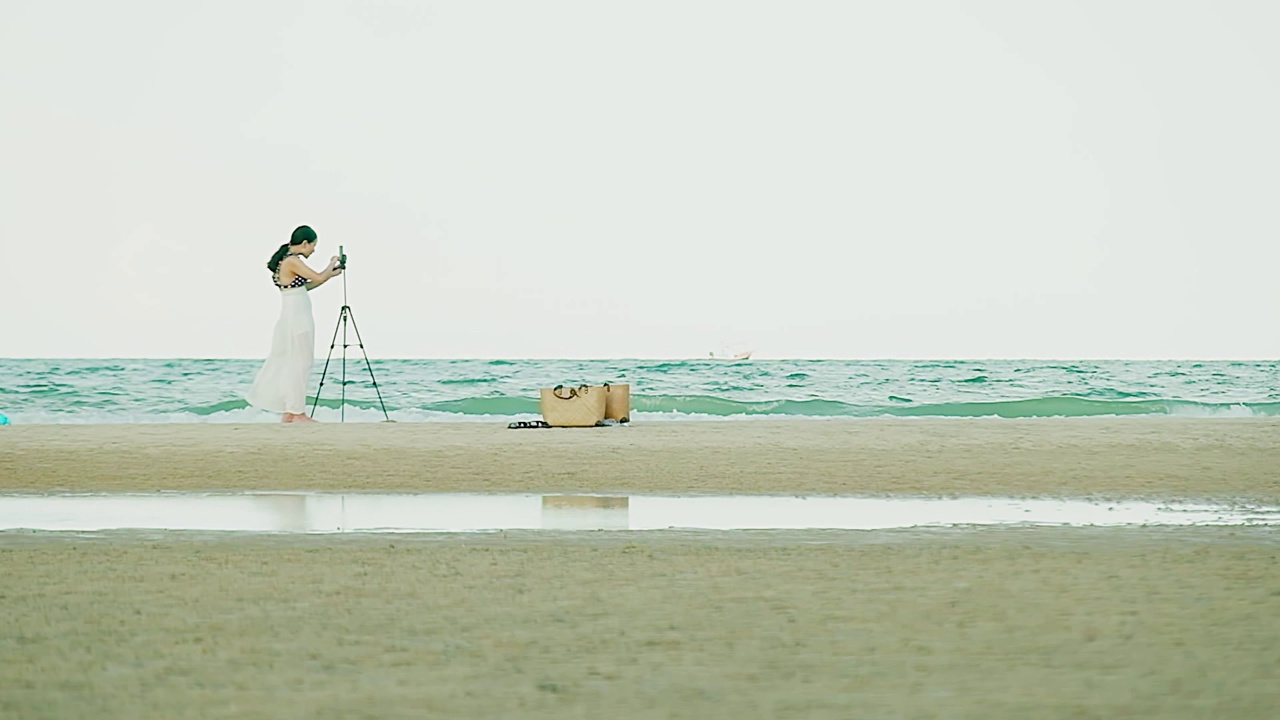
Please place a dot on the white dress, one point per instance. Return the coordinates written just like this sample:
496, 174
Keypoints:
281, 385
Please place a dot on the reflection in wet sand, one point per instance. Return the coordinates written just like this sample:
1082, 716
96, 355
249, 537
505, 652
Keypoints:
290, 511
585, 512
444, 512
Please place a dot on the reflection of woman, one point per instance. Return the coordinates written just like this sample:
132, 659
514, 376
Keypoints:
281, 385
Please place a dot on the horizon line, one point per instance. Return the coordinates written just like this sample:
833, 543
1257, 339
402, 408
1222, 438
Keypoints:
513, 358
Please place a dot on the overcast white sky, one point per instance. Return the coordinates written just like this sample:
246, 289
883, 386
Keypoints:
645, 179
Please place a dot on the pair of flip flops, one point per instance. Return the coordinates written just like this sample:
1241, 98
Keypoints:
523, 424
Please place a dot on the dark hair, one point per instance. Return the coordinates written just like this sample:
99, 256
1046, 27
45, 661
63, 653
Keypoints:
301, 234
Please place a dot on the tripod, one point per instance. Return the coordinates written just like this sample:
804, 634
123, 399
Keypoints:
345, 315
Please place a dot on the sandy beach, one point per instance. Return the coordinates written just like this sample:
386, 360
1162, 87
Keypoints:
1015, 623
937, 623
1160, 458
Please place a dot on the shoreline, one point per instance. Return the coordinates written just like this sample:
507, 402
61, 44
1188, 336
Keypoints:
1153, 458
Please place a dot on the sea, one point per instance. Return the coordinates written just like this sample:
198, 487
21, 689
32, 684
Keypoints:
75, 391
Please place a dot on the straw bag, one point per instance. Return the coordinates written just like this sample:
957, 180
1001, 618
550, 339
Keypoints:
617, 404
562, 406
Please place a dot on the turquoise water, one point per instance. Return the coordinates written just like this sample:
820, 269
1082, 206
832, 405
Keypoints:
131, 391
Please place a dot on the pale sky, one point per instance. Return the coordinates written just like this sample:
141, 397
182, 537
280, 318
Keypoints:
647, 179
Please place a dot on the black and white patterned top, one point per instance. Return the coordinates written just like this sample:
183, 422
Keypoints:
298, 281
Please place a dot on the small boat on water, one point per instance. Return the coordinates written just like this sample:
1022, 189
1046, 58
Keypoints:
736, 357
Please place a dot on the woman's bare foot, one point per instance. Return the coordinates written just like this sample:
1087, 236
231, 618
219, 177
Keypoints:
296, 418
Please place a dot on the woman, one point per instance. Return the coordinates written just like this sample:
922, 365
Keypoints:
281, 385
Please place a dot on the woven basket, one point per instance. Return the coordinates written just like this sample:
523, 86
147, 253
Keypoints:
562, 406
617, 404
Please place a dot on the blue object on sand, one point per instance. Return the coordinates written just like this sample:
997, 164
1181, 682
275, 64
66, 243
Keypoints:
3, 420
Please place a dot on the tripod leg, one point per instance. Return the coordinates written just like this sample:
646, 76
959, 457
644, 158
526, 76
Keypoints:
326, 365
367, 365
342, 404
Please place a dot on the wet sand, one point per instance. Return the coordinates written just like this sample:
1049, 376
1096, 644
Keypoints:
1012, 623
1159, 458
945, 623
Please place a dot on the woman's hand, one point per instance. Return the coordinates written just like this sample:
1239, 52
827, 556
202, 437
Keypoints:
333, 266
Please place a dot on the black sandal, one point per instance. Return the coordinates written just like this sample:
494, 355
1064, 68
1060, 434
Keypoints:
522, 424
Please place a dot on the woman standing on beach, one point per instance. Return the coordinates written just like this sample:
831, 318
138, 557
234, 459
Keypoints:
281, 385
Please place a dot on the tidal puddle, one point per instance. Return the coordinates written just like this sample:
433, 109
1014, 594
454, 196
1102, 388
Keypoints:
335, 513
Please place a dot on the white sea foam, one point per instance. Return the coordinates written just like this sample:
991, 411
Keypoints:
1218, 411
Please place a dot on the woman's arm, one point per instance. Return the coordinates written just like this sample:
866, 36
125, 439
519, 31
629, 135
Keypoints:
314, 279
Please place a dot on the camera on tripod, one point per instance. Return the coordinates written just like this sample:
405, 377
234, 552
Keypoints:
342, 258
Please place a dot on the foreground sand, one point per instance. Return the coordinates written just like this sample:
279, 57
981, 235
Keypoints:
1165, 458
993, 624
961, 623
